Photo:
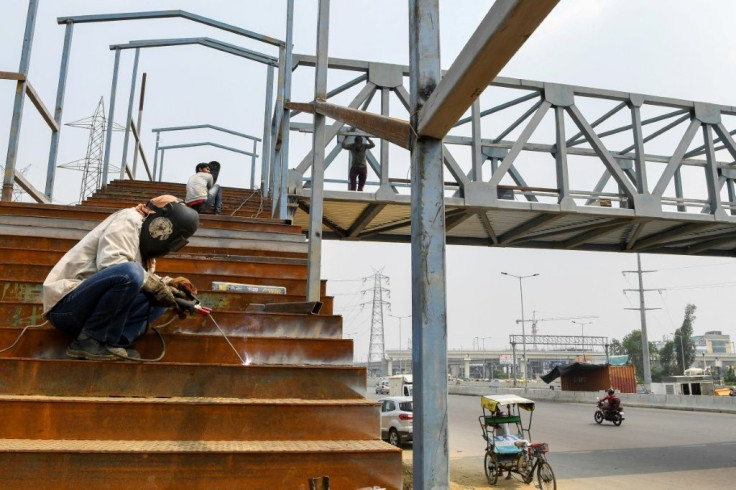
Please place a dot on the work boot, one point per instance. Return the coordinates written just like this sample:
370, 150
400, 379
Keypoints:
124, 353
85, 347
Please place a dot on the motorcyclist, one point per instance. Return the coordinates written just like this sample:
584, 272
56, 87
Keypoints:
611, 401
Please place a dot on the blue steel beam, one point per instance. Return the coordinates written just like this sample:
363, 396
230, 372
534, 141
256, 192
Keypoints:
206, 126
207, 143
167, 14
203, 41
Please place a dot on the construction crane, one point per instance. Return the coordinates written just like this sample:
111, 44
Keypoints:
533, 320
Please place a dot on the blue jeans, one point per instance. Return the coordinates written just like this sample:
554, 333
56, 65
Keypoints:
108, 306
214, 200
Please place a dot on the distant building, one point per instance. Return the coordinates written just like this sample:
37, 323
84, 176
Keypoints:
713, 342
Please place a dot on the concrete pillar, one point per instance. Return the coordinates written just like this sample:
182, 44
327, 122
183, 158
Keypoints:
466, 367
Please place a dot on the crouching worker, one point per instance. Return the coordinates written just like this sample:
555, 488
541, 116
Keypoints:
103, 292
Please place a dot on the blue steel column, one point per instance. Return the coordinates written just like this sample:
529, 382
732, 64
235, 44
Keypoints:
429, 306
160, 167
20, 97
275, 127
110, 116
284, 193
155, 157
318, 155
253, 166
266, 145
54, 147
129, 119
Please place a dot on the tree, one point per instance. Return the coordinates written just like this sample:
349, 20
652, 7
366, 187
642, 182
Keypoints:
684, 335
615, 348
667, 358
631, 345
730, 376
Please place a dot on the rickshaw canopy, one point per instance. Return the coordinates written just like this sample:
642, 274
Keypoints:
491, 402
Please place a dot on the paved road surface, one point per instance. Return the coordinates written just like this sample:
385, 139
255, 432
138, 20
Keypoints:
653, 449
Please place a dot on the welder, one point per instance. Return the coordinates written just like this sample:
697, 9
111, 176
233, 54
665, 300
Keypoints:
104, 291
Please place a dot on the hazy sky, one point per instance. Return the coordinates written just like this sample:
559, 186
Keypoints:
660, 47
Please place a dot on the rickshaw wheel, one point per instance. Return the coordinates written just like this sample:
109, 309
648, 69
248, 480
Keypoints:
617, 419
491, 469
546, 477
598, 416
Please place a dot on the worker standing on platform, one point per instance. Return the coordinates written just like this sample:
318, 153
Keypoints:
358, 168
104, 291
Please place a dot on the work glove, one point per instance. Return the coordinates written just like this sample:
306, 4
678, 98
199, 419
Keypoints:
182, 284
158, 293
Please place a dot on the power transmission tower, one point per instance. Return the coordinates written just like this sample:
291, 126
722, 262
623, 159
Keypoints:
17, 191
643, 314
376, 348
91, 164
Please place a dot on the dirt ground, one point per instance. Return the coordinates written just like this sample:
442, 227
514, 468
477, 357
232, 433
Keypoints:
465, 474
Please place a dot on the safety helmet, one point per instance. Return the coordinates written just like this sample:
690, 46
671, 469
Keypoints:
167, 229
611, 391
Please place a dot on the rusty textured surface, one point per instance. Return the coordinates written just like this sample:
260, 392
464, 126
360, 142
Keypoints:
208, 419
49, 343
289, 465
121, 378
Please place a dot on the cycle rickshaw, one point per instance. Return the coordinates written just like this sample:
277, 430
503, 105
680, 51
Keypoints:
508, 441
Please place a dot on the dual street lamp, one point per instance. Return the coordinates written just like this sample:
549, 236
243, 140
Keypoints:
523, 323
582, 334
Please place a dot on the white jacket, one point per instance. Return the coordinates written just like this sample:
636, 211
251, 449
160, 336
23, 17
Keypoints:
198, 185
114, 241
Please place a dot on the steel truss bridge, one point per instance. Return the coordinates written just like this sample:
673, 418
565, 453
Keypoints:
562, 342
545, 166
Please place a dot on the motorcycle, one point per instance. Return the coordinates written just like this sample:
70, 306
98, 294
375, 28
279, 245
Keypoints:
603, 413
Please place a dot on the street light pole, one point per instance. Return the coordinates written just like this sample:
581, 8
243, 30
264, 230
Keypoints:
582, 334
401, 359
523, 323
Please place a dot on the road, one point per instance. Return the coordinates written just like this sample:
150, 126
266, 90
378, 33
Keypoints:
653, 449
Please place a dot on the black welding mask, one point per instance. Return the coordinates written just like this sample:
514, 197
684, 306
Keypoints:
167, 229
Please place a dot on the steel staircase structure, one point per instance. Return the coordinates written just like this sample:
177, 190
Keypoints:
199, 418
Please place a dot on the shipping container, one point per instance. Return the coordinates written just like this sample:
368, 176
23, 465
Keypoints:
597, 378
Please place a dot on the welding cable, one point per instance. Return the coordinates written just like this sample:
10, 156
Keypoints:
161, 338
21, 335
227, 339
257, 191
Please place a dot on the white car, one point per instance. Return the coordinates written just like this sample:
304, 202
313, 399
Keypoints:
382, 387
397, 419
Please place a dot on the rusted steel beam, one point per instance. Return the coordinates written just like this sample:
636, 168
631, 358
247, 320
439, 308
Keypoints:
37, 273
233, 322
397, 131
53, 377
11, 75
49, 343
199, 464
205, 419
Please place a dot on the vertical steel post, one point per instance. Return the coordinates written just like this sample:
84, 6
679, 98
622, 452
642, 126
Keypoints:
318, 154
20, 97
384, 144
110, 118
253, 167
276, 127
285, 121
129, 118
477, 174
429, 304
138, 144
161, 166
266, 145
155, 157
59, 109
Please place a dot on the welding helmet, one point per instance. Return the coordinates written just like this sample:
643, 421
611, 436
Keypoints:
166, 230
214, 169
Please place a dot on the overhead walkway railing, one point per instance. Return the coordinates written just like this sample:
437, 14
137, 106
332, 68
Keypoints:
24, 88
